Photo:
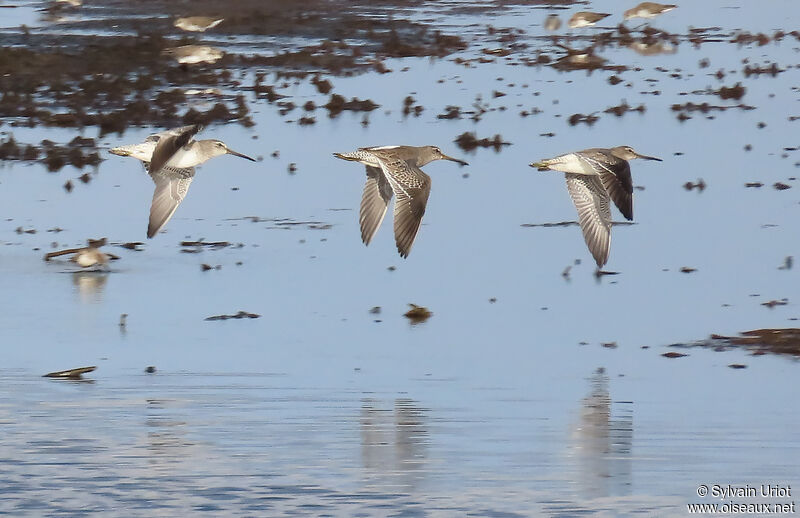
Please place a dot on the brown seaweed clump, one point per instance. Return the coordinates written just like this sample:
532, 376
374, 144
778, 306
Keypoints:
783, 341
468, 142
417, 314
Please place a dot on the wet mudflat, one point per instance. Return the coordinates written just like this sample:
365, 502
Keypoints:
534, 388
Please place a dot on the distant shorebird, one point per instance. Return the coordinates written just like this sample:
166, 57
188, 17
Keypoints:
197, 23
170, 158
652, 49
552, 22
194, 54
593, 176
648, 10
395, 170
87, 257
585, 19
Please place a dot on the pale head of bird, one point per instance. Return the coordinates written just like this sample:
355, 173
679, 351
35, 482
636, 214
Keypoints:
627, 153
428, 154
214, 148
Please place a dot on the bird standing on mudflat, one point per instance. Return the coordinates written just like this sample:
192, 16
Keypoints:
170, 158
197, 23
585, 19
648, 10
395, 170
552, 22
593, 176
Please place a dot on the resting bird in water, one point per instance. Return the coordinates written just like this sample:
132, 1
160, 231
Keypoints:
593, 176
395, 170
170, 158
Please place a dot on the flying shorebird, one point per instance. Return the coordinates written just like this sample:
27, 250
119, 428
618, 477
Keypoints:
395, 170
593, 176
648, 10
169, 158
585, 19
197, 23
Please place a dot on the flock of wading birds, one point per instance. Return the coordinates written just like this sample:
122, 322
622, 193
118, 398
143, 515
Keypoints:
646, 10
595, 177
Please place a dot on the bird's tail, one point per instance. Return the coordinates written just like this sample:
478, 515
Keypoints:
354, 156
121, 150
541, 166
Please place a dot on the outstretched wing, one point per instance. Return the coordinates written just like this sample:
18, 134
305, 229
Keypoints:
174, 132
169, 143
594, 214
411, 187
172, 184
374, 201
615, 174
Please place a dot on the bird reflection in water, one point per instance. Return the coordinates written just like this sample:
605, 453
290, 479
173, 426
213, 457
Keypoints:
394, 442
166, 442
89, 285
601, 442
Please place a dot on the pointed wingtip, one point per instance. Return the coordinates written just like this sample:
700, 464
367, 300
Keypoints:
600, 261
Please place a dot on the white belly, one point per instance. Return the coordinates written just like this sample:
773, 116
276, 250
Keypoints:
185, 158
571, 163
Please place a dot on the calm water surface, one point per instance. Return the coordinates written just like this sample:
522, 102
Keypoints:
504, 408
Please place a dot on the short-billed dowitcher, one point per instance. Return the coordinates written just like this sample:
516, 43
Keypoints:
593, 176
170, 158
395, 170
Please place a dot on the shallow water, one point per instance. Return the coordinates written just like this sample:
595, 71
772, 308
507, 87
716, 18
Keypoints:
501, 408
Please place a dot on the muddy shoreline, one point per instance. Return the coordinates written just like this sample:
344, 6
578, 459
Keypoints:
59, 75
